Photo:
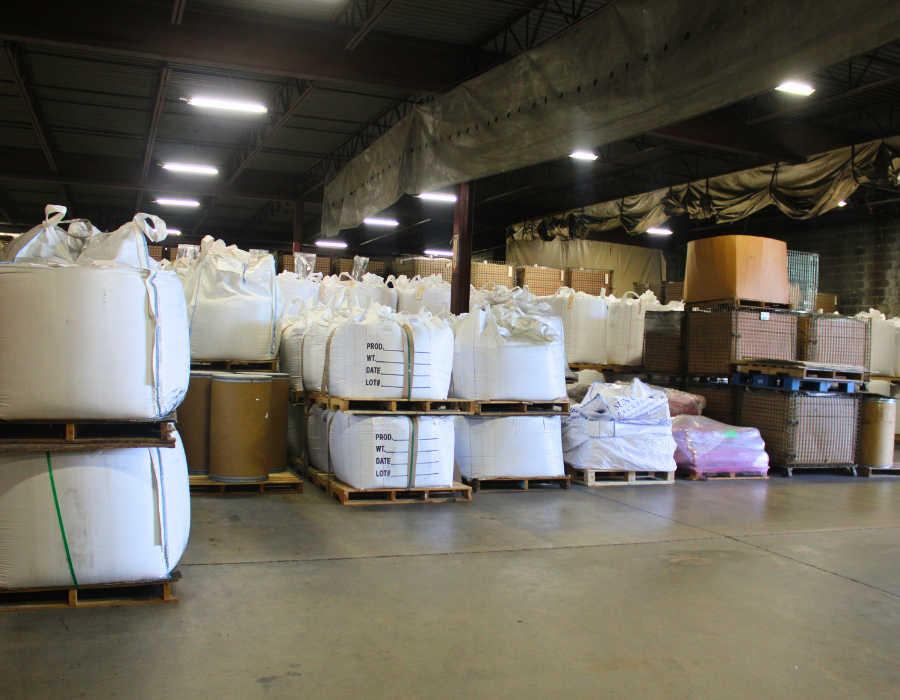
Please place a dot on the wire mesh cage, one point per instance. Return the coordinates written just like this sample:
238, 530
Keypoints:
498, 273
665, 291
156, 251
424, 267
827, 303
802, 429
719, 337
542, 281
721, 399
377, 267
590, 281
834, 340
664, 342
803, 278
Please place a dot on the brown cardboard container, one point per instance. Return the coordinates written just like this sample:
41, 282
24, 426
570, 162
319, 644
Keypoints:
239, 427
737, 267
193, 422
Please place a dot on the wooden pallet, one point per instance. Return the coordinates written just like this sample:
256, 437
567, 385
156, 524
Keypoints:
277, 481
513, 483
784, 383
842, 469
460, 407
350, 496
801, 370
514, 408
236, 365
876, 471
300, 397
67, 436
92, 596
749, 303
701, 475
620, 369
604, 477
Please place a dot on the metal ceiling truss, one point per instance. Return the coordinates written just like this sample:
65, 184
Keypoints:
359, 17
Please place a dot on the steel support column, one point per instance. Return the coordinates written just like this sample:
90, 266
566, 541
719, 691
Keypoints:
463, 223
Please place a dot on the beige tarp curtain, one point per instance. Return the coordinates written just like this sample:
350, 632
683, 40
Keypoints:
801, 191
629, 263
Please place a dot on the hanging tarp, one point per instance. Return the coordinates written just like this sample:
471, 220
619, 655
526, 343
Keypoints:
801, 191
631, 67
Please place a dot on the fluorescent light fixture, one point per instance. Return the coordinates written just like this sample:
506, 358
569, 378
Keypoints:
173, 231
659, 231
331, 244
196, 169
441, 253
583, 155
795, 88
179, 202
437, 197
842, 203
227, 104
381, 222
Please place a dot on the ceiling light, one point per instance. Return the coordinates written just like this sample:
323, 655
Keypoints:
331, 244
583, 155
659, 231
437, 197
842, 203
197, 169
442, 253
173, 231
796, 88
381, 222
179, 202
227, 104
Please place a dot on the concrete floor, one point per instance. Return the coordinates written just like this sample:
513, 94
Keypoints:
744, 589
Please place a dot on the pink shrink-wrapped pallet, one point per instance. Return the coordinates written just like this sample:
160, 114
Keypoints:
704, 446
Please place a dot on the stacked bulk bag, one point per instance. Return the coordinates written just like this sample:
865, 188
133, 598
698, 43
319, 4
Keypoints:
509, 446
82, 518
317, 436
298, 292
584, 318
884, 343
48, 242
291, 348
422, 294
707, 446
313, 343
371, 289
620, 427
234, 304
625, 328
500, 353
392, 451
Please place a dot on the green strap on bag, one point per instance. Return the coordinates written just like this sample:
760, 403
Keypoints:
62, 528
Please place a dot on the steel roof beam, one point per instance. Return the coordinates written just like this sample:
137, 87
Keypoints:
250, 44
360, 17
23, 84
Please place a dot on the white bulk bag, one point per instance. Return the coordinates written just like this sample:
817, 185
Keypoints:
509, 446
371, 289
85, 343
500, 353
125, 515
584, 322
430, 293
126, 246
291, 350
490, 293
371, 452
369, 356
620, 427
625, 329
320, 322
298, 292
234, 304
317, 437
48, 241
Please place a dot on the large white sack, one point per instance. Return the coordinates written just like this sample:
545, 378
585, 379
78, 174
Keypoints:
884, 343
317, 437
371, 289
125, 513
509, 446
584, 322
625, 328
91, 343
369, 354
298, 293
500, 353
620, 427
371, 452
48, 241
430, 293
291, 349
320, 322
234, 304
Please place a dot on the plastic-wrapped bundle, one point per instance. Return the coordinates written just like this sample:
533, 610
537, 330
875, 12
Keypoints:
81, 518
509, 446
705, 445
502, 354
625, 328
584, 321
422, 294
620, 427
298, 292
681, 403
371, 452
371, 289
369, 354
234, 304
317, 437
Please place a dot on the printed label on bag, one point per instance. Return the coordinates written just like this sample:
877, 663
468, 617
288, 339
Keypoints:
763, 315
229, 264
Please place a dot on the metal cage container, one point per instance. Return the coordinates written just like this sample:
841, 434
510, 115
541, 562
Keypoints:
590, 281
541, 281
664, 342
424, 267
803, 278
721, 399
834, 340
498, 273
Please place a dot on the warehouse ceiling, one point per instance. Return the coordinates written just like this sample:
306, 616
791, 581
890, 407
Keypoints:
94, 99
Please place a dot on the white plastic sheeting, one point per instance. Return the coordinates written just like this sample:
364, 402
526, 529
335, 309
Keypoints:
430, 293
502, 354
390, 451
620, 427
378, 354
317, 437
509, 446
371, 289
584, 323
298, 292
234, 304
84, 342
123, 514
884, 357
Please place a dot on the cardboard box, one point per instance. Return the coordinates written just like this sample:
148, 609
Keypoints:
737, 267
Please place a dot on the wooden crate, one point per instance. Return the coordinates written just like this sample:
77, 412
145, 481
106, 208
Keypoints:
90, 596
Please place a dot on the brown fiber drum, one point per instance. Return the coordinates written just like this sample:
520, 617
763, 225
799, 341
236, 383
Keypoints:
878, 416
277, 442
193, 423
239, 428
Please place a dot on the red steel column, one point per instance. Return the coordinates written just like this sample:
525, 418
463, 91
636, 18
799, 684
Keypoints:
463, 223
